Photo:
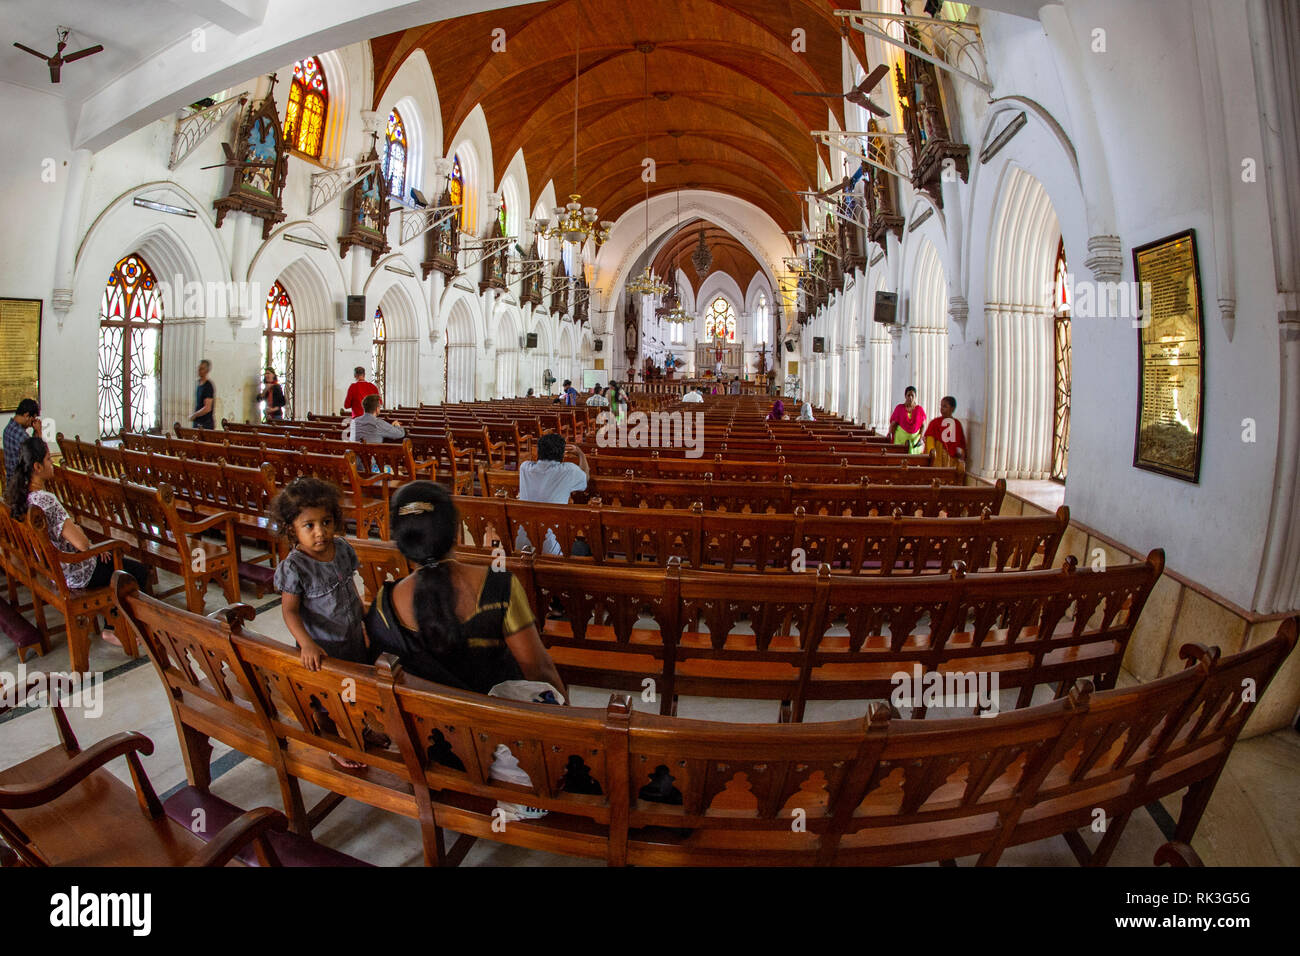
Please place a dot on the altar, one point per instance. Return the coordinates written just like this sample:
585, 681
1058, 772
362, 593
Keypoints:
733, 358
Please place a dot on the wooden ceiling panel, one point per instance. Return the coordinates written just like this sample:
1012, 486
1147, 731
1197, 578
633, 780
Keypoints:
722, 74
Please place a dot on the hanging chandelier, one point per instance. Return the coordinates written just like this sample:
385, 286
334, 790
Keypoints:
702, 259
676, 314
647, 283
575, 222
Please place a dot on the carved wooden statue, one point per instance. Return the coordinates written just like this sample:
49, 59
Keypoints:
368, 211
260, 166
934, 154
442, 242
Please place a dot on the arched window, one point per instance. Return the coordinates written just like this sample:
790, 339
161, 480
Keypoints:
379, 351
278, 336
395, 157
720, 321
304, 118
130, 349
762, 321
456, 188
501, 216
1061, 295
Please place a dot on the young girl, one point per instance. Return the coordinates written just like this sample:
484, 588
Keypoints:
320, 603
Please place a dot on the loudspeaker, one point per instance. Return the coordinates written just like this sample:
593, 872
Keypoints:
599, 345
356, 308
789, 345
886, 308
819, 344
531, 341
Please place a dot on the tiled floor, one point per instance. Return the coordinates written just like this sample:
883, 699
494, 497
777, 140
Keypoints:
1253, 819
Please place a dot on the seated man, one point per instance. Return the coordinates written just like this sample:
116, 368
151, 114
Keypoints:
945, 436
369, 428
597, 397
551, 479
693, 395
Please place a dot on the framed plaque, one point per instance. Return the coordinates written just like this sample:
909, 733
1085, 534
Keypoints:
20, 351
1171, 357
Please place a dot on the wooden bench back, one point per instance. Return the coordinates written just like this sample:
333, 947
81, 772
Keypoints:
931, 501
768, 542
643, 789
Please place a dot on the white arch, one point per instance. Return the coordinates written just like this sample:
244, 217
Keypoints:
1023, 240
928, 324
181, 252
463, 343
401, 325
414, 93
473, 144
506, 337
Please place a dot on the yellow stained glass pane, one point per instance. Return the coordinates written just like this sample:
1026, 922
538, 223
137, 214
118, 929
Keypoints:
291, 113
313, 126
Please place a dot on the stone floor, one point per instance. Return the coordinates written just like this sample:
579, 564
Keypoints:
1253, 819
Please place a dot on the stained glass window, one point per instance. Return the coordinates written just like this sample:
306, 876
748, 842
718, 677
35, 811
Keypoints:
501, 216
395, 157
304, 117
130, 350
378, 351
278, 330
456, 188
762, 321
720, 320
1062, 356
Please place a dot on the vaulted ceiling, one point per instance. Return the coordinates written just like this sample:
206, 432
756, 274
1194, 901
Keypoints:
728, 254
721, 74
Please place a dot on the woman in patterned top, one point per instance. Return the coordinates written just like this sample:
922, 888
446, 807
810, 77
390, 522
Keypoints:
461, 625
27, 490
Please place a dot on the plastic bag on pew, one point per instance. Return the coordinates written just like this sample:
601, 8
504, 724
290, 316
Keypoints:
505, 766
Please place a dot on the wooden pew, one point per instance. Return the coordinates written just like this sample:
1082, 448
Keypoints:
862, 499
768, 542
150, 524
62, 808
633, 788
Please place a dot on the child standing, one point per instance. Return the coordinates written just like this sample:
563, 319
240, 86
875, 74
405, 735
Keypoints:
320, 603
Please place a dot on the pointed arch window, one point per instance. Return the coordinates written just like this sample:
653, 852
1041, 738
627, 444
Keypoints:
501, 216
130, 349
762, 321
395, 157
379, 351
1061, 296
304, 117
278, 336
720, 321
456, 188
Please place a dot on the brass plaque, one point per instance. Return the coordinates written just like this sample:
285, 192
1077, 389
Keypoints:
1171, 358
792, 368
20, 351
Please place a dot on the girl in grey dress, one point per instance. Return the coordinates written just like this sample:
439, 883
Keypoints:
320, 603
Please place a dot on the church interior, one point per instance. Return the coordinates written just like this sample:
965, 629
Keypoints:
880, 425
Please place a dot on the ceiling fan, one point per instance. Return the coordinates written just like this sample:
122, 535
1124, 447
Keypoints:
56, 62
858, 95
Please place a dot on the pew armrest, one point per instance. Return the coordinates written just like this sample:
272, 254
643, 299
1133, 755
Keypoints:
77, 769
1177, 854
251, 827
112, 546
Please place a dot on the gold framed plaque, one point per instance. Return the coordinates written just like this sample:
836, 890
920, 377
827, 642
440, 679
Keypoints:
20, 351
1171, 357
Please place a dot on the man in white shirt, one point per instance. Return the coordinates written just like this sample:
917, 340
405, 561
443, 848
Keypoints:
550, 479
694, 395
597, 397
369, 427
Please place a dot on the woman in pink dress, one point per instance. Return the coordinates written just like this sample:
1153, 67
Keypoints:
907, 424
